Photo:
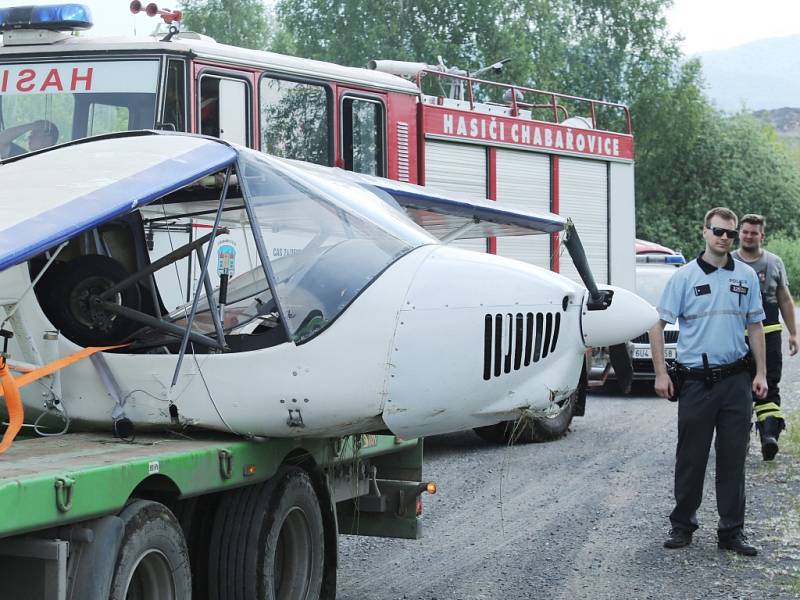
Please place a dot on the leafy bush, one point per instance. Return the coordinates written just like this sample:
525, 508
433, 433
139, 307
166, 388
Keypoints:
789, 250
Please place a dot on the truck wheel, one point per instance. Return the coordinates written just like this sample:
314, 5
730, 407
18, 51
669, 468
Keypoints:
268, 542
152, 562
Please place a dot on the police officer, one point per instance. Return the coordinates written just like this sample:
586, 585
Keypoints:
714, 298
776, 299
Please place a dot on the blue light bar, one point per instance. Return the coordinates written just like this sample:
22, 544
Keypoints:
665, 259
58, 17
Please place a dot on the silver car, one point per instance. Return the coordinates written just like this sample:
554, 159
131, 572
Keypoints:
652, 273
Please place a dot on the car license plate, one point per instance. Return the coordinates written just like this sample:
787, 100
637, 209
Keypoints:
669, 353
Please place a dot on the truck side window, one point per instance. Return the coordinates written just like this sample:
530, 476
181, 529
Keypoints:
174, 115
107, 118
223, 108
295, 120
363, 136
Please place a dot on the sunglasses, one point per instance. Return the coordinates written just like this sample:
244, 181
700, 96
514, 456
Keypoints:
731, 234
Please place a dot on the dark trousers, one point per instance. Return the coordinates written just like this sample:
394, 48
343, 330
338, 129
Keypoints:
727, 409
774, 368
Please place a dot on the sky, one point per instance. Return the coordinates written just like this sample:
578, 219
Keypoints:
721, 24
705, 24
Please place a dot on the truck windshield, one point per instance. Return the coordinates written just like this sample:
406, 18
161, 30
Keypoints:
42, 104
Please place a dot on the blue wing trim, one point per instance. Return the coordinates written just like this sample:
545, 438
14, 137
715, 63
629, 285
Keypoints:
420, 199
34, 236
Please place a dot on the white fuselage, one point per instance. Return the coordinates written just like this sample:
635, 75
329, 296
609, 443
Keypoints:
410, 353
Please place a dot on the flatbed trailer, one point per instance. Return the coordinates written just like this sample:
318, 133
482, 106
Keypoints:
87, 516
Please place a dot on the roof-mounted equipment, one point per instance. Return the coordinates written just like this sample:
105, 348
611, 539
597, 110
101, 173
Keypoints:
663, 259
59, 17
151, 10
29, 25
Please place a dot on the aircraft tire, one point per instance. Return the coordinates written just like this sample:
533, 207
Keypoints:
544, 429
268, 541
71, 314
537, 430
152, 562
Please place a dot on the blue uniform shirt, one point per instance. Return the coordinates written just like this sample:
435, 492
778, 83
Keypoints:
713, 308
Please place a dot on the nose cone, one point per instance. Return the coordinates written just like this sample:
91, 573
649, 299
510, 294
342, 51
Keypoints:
626, 317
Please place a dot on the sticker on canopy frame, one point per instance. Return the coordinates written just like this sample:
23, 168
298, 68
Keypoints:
226, 258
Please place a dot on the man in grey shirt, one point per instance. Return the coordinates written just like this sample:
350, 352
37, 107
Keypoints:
777, 303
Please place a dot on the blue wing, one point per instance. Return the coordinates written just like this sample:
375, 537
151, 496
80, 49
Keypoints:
51, 196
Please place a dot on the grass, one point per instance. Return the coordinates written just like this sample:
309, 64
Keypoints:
790, 445
790, 440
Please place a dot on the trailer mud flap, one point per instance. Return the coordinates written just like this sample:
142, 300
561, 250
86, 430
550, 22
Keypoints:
392, 513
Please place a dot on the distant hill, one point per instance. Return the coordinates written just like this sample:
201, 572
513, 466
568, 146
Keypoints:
787, 125
785, 120
760, 75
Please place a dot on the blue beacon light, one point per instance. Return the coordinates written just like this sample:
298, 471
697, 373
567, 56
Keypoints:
59, 17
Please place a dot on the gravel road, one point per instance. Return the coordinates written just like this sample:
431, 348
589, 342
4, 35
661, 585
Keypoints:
583, 517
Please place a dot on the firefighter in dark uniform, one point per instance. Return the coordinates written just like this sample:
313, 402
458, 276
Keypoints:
714, 298
777, 303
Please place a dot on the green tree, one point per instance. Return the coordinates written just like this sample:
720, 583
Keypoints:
689, 156
243, 23
355, 31
730, 161
788, 249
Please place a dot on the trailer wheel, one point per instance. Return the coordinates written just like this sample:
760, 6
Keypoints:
268, 542
152, 562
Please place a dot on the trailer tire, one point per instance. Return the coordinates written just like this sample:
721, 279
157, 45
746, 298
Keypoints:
268, 541
152, 562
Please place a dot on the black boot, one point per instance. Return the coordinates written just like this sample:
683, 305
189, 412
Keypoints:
769, 430
737, 542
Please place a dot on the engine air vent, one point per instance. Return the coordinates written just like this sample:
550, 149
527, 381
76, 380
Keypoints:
514, 341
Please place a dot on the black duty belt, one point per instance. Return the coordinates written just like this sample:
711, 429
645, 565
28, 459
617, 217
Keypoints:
711, 375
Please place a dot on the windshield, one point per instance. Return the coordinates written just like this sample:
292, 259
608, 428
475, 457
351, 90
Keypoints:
42, 104
651, 281
326, 240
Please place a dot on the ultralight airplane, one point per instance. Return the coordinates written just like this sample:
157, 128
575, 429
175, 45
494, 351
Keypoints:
155, 279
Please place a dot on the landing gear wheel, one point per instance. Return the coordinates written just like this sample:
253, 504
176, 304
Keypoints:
268, 542
152, 562
540, 429
73, 311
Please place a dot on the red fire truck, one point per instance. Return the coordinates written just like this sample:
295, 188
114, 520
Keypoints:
435, 126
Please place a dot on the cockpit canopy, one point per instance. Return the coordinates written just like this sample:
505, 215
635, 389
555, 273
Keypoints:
162, 224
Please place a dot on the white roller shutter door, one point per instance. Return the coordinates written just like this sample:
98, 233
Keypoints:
523, 181
459, 170
583, 196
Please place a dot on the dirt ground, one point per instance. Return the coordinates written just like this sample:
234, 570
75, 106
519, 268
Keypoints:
583, 517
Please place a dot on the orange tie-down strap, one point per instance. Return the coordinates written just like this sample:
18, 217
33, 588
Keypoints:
11, 385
